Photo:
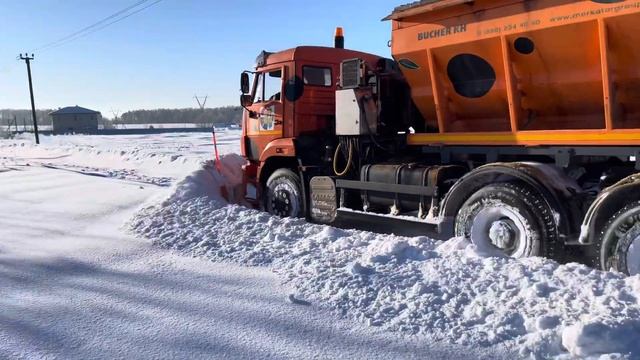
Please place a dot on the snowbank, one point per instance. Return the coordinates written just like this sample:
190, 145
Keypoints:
218, 182
167, 156
442, 291
607, 335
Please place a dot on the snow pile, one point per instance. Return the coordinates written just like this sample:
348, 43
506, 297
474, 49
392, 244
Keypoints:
220, 182
602, 336
5, 134
449, 291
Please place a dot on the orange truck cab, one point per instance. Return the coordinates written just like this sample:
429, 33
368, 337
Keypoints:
290, 109
513, 123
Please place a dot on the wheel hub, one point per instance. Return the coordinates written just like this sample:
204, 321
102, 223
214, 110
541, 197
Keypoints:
633, 256
281, 203
502, 233
500, 227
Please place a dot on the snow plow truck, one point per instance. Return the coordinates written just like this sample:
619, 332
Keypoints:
514, 123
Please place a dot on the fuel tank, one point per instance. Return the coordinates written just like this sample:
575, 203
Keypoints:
522, 72
439, 177
404, 174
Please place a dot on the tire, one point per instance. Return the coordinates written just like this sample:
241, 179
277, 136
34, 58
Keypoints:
618, 245
511, 218
284, 194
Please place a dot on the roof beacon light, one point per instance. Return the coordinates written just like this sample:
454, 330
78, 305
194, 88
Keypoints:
338, 39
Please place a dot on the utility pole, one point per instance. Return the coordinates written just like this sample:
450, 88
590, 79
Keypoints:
28, 59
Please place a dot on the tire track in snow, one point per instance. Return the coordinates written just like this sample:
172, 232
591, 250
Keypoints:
119, 174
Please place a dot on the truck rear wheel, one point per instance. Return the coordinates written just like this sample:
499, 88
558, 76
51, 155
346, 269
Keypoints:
620, 241
509, 217
284, 194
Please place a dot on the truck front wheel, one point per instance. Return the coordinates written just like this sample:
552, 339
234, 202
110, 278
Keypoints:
620, 241
511, 218
284, 194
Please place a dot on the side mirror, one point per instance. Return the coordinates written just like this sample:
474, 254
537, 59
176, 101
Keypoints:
245, 100
244, 83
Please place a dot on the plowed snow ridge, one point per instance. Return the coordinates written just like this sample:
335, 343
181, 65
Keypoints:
445, 291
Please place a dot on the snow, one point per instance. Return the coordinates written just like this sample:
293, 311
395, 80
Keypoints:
75, 285
171, 156
453, 291
601, 335
327, 292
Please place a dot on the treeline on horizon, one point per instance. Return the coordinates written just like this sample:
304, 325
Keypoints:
225, 115
23, 117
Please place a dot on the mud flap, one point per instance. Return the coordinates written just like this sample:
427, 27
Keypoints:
324, 201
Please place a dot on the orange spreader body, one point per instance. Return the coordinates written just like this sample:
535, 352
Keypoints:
508, 72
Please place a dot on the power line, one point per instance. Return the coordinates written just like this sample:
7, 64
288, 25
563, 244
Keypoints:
91, 26
94, 29
105, 25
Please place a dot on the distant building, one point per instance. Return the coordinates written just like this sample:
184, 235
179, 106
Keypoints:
75, 119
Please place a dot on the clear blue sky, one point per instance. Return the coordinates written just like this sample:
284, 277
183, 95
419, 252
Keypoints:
162, 56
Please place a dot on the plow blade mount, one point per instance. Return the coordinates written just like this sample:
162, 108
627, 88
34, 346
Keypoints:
349, 219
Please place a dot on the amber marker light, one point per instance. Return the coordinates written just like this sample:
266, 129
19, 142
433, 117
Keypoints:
338, 39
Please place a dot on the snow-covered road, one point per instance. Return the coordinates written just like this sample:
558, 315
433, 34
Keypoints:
75, 285
449, 291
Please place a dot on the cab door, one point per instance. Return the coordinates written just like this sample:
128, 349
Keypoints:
266, 114
316, 106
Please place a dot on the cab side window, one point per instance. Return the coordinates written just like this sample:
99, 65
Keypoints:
273, 85
316, 76
258, 94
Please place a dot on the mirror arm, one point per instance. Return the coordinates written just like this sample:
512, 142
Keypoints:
252, 114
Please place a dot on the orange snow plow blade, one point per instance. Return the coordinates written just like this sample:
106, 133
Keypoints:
228, 175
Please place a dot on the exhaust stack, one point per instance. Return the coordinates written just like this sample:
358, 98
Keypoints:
338, 39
